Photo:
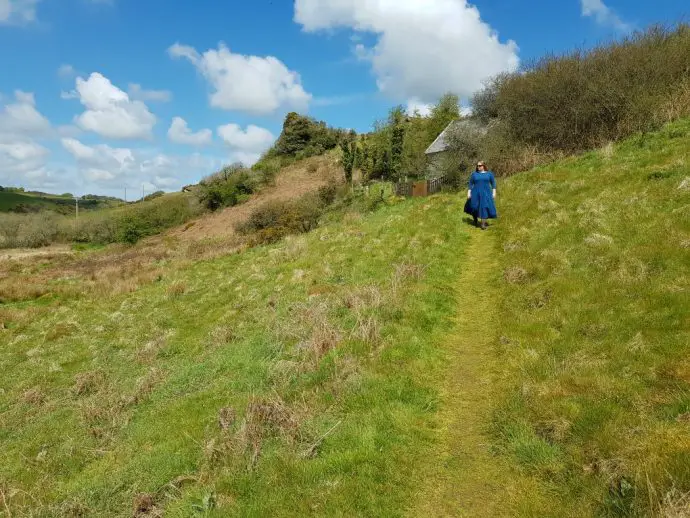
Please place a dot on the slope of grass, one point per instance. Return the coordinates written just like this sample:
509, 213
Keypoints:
12, 200
595, 326
315, 376
287, 380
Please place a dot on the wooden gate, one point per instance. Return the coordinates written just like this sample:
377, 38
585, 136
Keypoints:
421, 188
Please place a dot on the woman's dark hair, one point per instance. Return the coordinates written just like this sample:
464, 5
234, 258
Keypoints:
481, 163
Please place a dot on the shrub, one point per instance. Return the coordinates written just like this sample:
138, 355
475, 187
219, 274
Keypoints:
227, 187
28, 230
267, 170
327, 194
585, 99
123, 224
303, 137
277, 219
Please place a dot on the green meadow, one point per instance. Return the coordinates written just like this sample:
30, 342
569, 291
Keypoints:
377, 363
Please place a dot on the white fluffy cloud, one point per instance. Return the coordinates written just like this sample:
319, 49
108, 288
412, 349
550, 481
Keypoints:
254, 84
603, 14
17, 11
23, 151
106, 168
415, 106
246, 145
22, 162
179, 133
21, 157
103, 156
423, 48
110, 112
138, 93
21, 118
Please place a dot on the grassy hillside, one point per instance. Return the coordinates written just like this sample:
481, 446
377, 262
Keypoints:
595, 326
392, 363
12, 201
283, 381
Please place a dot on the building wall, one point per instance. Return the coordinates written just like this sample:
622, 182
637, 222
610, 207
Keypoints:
435, 164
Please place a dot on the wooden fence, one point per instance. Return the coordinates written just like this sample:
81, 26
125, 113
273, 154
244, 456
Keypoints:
420, 188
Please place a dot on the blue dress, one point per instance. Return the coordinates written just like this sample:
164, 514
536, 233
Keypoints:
481, 203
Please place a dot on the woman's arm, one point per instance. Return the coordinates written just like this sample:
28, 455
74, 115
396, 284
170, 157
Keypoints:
493, 184
471, 185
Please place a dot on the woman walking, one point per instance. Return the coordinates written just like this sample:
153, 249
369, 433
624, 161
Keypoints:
480, 196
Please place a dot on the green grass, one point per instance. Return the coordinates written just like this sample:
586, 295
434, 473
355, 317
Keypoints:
312, 377
323, 346
11, 200
595, 325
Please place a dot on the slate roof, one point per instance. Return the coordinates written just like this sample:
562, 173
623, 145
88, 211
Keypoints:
441, 143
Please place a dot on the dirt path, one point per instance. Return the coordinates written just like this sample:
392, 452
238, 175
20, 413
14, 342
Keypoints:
463, 477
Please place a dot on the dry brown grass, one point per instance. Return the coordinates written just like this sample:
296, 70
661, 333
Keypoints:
405, 272
176, 289
149, 352
675, 505
104, 410
323, 336
33, 396
515, 275
86, 383
145, 505
265, 417
293, 182
145, 386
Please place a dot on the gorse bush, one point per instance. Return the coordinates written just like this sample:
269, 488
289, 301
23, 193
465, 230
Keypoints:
228, 187
585, 99
277, 219
301, 137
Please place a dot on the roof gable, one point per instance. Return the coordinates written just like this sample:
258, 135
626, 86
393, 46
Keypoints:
441, 143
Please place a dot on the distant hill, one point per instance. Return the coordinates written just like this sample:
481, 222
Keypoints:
13, 200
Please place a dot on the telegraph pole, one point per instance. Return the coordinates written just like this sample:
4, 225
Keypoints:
76, 205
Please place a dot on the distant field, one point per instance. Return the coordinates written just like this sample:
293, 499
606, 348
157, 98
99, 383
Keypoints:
10, 201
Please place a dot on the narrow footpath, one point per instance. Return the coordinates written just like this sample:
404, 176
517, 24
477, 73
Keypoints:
463, 477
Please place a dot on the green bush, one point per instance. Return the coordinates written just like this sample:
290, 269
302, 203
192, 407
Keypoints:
277, 219
227, 187
100, 228
267, 170
327, 194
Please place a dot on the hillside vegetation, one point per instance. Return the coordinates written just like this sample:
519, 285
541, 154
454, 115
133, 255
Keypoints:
310, 377
594, 327
260, 383
15, 200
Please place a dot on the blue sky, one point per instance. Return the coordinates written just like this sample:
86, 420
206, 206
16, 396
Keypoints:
99, 95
